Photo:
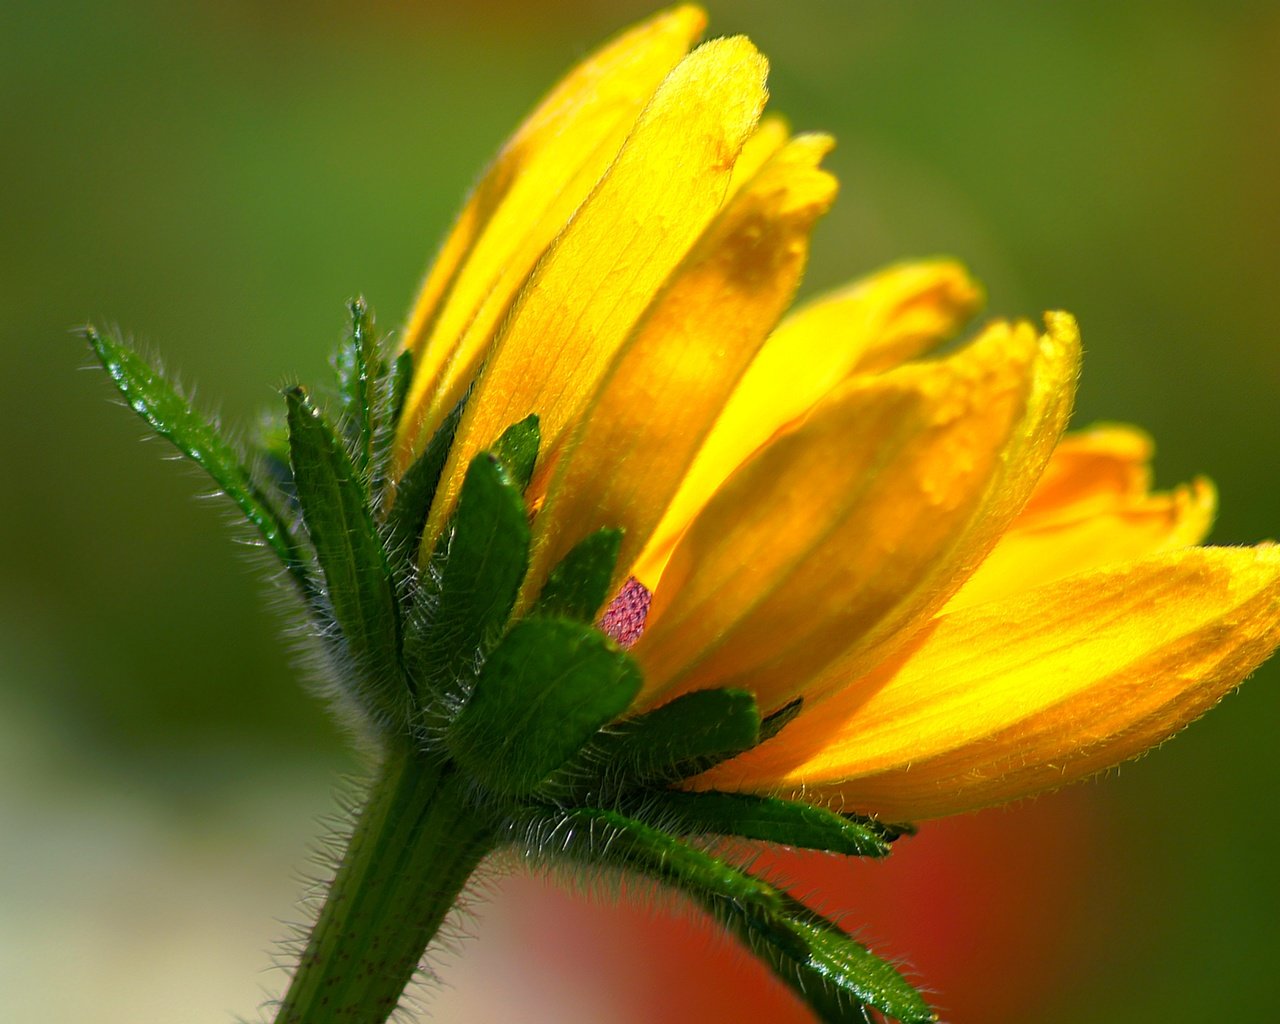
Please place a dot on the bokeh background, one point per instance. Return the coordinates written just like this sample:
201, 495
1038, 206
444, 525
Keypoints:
219, 177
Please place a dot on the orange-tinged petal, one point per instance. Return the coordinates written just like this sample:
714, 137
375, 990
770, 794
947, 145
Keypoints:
1014, 697
536, 182
771, 135
586, 294
1092, 470
835, 540
883, 320
1039, 552
898, 311
668, 383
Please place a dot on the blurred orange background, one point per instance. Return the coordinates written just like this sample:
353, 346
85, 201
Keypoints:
219, 178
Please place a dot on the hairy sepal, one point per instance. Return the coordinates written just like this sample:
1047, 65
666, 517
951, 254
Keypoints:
542, 694
404, 520
169, 414
358, 580
579, 584
764, 819
836, 975
466, 590
658, 747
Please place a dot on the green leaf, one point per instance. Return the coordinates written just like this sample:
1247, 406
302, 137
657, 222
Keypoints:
469, 583
517, 450
579, 584
171, 416
764, 818
542, 694
360, 371
415, 491
336, 510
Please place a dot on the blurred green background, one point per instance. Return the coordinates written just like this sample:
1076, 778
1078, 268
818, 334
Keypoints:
218, 178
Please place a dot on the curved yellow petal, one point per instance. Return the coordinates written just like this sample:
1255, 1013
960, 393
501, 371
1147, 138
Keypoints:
668, 383
586, 294
1037, 552
830, 544
538, 179
899, 311
1015, 697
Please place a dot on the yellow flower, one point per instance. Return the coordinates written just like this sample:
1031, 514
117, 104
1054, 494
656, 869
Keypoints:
973, 607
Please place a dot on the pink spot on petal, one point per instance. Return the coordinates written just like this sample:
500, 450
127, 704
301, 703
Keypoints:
624, 618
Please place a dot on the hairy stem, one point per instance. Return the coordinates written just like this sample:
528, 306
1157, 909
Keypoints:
414, 847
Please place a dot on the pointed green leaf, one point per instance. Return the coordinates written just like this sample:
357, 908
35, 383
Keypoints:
767, 819
416, 489
469, 583
542, 694
579, 584
335, 508
517, 450
171, 416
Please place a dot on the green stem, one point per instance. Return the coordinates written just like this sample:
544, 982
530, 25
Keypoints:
414, 847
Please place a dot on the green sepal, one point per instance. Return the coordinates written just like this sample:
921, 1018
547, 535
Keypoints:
672, 741
335, 507
360, 370
171, 416
774, 722
271, 446
517, 450
415, 491
821, 949
767, 819
579, 584
542, 694
401, 378
597, 837
469, 584
836, 975
393, 390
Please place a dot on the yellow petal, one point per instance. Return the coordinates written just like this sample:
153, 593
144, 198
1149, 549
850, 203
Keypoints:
830, 544
1037, 552
669, 382
1012, 698
539, 178
586, 294
891, 315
